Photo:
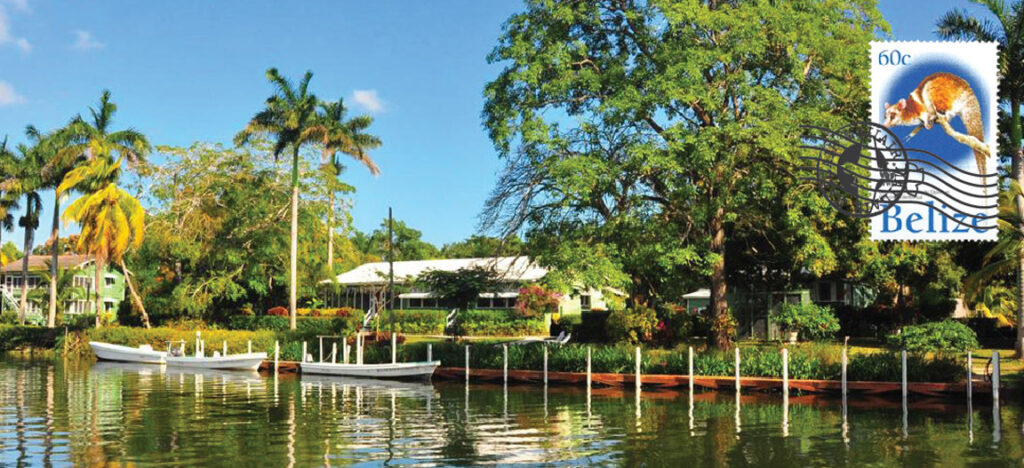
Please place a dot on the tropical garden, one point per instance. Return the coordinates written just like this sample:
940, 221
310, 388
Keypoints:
648, 152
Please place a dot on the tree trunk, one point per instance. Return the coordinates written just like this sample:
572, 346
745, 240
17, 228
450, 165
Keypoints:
98, 288
330, 233
135, 295
1018, 175
24, 266
719, 304
51, 318
293, 286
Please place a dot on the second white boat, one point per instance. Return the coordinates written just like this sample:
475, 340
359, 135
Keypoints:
401, 370
247, 361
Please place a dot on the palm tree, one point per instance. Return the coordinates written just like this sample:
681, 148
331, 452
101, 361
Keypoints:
1004, 257
87, 141
1008, 31
290, 116
336, 134
65, 284
25, 178
8, 200
111, 220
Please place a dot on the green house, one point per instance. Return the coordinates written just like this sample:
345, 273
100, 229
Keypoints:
11, 279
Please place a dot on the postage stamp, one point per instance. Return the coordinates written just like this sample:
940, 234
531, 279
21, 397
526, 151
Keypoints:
925, 167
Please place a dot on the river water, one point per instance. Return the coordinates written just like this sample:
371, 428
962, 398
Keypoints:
56, 414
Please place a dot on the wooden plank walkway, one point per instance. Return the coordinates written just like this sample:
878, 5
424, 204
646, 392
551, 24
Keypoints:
671, 381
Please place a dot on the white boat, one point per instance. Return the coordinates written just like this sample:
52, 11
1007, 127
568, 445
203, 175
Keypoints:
246, 361
144, 354
401, 370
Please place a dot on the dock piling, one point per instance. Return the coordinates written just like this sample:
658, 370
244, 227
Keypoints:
344, 350
224, 350
588, 368
198, 349
846, 342
334, 352
394, 348
250, 347
903, 366
636, 375
303, 358
504, 363
467, 364
277, 355
689, 376
970, 378
545, 364
995, 377
737, 369
430, 352
785, 372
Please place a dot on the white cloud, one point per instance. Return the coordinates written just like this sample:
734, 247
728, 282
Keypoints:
84, 41
5, 33
8, 96
368, 99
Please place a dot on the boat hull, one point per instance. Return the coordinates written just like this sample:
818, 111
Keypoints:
249, 361
118, 353
402, 370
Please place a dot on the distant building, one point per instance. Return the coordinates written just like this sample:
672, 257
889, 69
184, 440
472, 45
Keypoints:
366, 285
11, 278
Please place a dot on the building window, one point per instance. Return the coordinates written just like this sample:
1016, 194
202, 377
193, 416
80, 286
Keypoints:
83, 282
824, 291
109, 281
585, 302
109, 306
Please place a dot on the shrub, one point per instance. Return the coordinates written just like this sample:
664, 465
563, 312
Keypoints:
886, 367
811, 320
536, 300
8, 318
18, 336
497, 323
935, 337
278, 311
304, 325
677, 324
633, 325
418, 322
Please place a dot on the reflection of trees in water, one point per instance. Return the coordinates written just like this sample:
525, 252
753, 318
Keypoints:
111, 417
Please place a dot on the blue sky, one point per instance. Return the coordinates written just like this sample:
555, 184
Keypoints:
193, 71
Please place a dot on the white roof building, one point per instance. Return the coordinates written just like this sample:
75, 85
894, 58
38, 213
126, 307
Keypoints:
512, 269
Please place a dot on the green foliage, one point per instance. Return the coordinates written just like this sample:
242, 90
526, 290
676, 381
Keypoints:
935, 337
477, 246
18, 336
158, 338
415, 322
886, 367
633, 325
459, 288
8, 317
535, 300
306, 325
408, 243
498, 323
811, 320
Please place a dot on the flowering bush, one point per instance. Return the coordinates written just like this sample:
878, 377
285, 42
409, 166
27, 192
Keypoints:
536, 300
278, 311
634, 325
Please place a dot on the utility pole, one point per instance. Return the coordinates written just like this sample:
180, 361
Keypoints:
391, 271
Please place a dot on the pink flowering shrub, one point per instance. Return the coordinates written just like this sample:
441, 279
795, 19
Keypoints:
536, 300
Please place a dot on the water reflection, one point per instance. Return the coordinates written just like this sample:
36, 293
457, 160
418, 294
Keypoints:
107, 414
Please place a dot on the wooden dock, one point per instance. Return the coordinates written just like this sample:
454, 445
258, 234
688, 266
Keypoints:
672, 381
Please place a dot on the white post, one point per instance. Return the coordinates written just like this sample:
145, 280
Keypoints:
250, 346
394, 348
197, 344
785, 371
737, 368
845, 362
995, 377
903, 363
690, 376
202, 344
545, 364
344, 349
303, 357
320, 341
637, 373
334, 352
359, 348
467, 364
588, 368
277, 355
970, 383
504, 363
430, 352
224, 351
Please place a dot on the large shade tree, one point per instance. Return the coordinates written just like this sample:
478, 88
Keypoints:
290, 116
661, 130
1005, 27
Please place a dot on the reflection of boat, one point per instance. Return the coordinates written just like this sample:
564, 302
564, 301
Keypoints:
102, 367
412, 387
143, 354
400, 370
247, 361
239, 376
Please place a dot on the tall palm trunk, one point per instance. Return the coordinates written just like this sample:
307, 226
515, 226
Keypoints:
1018, 175
293, 286
135, 295
98, 287
24, 267
51, 318
330, 232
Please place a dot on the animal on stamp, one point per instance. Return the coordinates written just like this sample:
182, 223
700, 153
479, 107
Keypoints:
941, 95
